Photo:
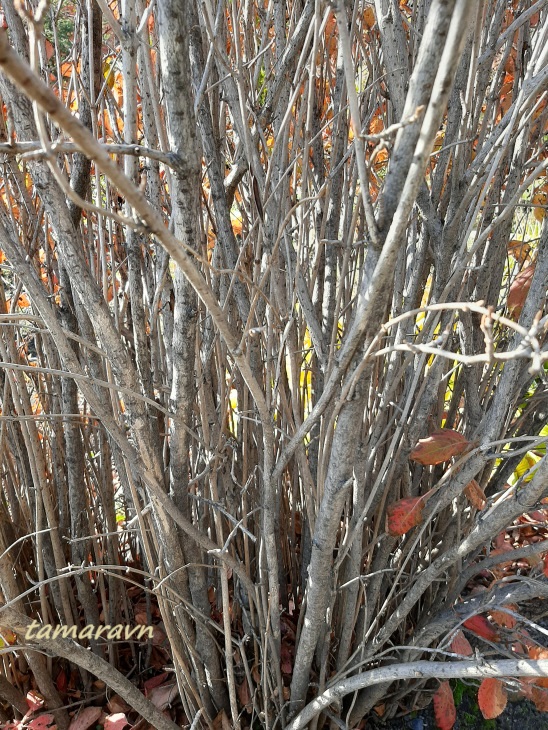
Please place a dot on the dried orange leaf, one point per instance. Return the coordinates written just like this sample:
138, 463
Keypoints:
504, 619
491, 698
474, 494
539, 695
481, 626
539, 201
403, 515
376, 125
369, 17
461, 645
537, 652
439, 447
444, 707
520, 250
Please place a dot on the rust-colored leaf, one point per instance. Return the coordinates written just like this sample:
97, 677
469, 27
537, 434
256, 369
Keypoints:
481, 626
491, 698
474, 494
444, 707
440, 446
519, 290
461, 645
504, 619
376, 125
369, 17
331, 37
50, 50
520, 250
539, 695
404, 515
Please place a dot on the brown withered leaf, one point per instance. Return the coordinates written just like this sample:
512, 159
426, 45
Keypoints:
440, 446
519, 291
474, 494
520, 250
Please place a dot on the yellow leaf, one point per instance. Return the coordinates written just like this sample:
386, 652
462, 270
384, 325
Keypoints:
108, 72
527, 464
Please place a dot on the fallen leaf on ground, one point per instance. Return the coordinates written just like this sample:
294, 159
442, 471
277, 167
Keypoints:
444, 707
492, 698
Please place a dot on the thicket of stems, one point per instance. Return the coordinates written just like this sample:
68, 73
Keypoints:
252, 252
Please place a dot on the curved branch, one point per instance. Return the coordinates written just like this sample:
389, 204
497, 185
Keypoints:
419, 670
